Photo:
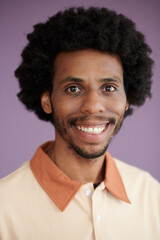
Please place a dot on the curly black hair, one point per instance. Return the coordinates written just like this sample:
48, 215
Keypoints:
77, 29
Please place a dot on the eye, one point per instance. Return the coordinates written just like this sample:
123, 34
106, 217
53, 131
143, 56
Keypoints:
73, 89
109, 88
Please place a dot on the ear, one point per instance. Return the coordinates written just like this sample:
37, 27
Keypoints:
127, 106
46, 102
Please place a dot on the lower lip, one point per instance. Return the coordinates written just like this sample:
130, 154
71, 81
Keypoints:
93, 137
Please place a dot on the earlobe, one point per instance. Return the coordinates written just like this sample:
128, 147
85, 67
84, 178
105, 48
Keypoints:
127, 106
46, 103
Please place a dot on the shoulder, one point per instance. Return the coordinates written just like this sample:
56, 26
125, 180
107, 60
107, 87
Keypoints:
15, 183
138, 183
14, 176
130, 172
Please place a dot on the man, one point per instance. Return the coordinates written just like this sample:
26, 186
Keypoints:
82, 70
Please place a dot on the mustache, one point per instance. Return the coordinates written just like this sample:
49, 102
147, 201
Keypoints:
81, 119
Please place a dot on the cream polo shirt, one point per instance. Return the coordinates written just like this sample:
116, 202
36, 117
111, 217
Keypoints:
39, 202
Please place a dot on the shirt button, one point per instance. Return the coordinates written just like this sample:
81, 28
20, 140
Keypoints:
88, 192
98, 218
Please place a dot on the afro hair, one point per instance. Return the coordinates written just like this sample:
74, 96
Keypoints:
78, 29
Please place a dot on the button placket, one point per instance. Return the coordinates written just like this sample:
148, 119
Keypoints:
97, 205
86, 192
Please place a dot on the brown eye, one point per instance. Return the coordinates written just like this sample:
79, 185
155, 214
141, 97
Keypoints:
109, 89
73, 89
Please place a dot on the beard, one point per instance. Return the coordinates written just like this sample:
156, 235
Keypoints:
91, 154
86, 154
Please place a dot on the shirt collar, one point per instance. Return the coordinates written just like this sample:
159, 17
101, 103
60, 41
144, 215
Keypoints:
60, 188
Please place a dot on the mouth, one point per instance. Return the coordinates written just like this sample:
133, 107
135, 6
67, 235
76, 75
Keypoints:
92, 129
95, 130
92, 132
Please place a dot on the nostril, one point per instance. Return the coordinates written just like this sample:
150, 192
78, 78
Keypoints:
95, 107
92, 103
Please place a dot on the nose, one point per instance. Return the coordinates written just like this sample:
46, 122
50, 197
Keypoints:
92, 103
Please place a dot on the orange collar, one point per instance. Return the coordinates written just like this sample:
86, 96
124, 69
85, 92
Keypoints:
60, 188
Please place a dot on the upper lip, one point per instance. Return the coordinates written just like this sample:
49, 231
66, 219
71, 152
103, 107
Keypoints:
92, 123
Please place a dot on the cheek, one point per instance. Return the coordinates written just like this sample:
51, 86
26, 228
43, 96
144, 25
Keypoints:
62, 107
116, 105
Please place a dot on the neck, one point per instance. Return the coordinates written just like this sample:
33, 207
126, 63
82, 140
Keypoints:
76, 167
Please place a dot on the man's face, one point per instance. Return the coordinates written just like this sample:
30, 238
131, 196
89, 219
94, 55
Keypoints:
88, 101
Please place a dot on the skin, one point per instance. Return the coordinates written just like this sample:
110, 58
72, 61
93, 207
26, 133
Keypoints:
88, 93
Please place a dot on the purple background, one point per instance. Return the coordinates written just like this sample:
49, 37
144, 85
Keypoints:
21, 132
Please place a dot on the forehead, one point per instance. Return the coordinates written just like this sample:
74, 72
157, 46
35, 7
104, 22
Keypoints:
87, 62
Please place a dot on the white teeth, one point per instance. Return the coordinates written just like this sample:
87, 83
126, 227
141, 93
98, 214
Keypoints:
90, 130
95, 130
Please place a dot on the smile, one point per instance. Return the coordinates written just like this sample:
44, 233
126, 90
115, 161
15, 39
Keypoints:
92, 130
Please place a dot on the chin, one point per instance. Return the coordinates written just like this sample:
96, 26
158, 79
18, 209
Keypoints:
89, 154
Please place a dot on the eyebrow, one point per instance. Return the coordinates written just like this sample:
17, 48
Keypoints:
109, 79
79, 80
71, 79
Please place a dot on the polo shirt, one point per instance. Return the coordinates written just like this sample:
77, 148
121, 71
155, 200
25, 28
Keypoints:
39, 202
